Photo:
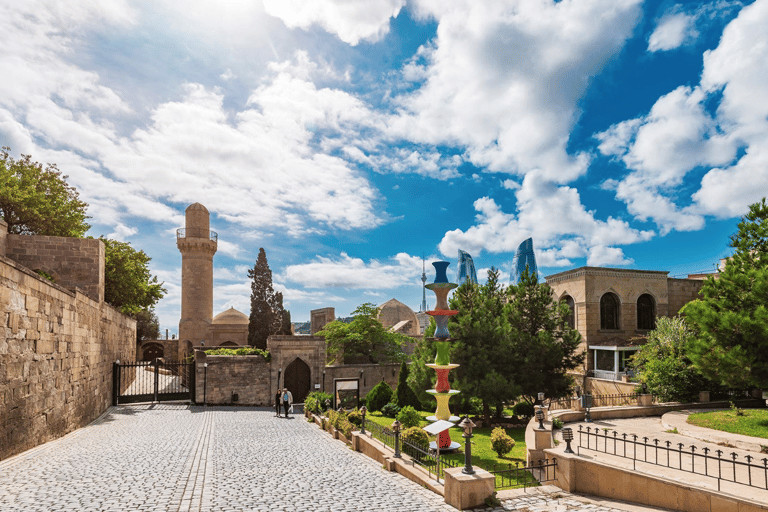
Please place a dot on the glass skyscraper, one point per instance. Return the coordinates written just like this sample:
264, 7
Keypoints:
466, 271
524, 257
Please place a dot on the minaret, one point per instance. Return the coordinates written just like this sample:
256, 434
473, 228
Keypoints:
197, 244
423, 288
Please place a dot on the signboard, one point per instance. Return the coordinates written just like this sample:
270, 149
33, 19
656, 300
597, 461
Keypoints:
346, 393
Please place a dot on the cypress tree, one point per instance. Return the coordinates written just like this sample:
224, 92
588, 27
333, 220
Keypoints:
404, 395
266, 305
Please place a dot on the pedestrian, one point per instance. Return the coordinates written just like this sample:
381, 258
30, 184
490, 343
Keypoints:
277, 403
287, 400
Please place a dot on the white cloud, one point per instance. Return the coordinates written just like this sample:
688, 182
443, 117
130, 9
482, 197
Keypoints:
680, 135
503, 79
351, 21
354, 273
672, 31
122, 232
554, 216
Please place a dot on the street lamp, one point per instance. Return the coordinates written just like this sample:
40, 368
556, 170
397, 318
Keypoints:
467, 425
363, 410
205, 384
568, 437
323, 381
540, 417
396, 430
279, 371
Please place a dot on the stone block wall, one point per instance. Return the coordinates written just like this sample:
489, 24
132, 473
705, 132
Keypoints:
246, 376
372, 375
56, 353
73, 262
681, 292
3, 237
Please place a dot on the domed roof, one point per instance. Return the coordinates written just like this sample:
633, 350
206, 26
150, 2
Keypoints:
231, 316
394, 313
196, 206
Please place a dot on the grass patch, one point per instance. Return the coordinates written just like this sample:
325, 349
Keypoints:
482, 453
751, 422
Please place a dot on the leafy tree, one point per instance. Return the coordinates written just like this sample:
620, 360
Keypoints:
128, 284
267, 312
481, 346
662, 363
730, 320
147, 325
420, 377
37, 201
404, 395
544, 345
365, 338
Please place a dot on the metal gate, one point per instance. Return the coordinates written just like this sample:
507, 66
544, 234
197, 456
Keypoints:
152, 381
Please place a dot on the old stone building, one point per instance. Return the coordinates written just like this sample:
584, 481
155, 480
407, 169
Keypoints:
613, 309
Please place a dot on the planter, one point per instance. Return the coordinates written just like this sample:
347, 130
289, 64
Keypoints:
703, 396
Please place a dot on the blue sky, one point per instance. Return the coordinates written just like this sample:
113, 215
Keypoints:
350, 138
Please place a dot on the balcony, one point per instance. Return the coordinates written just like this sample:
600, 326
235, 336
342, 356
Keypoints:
196, 233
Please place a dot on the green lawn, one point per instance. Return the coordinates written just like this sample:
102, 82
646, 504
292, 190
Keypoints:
753, 423
482, 453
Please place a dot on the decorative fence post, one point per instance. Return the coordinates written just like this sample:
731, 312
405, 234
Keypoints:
442, 365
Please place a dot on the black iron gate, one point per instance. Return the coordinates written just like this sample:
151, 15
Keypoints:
152, 381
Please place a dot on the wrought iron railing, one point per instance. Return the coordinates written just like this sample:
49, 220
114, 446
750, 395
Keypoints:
517, 476
196, 233
675, 456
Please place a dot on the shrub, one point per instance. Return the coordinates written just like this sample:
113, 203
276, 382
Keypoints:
415, 435
333, 418
315, 401
409, 417
523, 409
404, 395
355, 417
475, 406
557, 423
390, 410
245, 351
379, 396
501, 443
345, 426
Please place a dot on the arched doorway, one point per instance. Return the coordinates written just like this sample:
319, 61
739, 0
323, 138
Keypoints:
297, 380
152, 351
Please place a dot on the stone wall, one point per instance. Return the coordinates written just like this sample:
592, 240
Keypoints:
681, 292
56, 353
372, 374
225, 376
72, 262
3, 237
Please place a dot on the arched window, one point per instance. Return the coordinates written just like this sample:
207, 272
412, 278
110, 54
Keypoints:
572, 315
609, 311
646, 312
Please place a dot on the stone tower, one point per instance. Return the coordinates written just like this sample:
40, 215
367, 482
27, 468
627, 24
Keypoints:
197, 244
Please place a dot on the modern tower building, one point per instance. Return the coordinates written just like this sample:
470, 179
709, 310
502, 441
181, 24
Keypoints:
524, 257
466, 271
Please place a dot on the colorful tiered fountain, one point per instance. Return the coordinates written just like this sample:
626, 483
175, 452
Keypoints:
442, 366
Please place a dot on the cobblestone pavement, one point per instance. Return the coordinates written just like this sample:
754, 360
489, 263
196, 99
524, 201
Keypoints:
166, 457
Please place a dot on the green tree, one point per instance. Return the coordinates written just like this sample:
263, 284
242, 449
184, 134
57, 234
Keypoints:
37, 201
481, 346
147, 325
545, 348
662, 363
363, 339
730, 320
404, 395
128, 284
267, 312
421, 377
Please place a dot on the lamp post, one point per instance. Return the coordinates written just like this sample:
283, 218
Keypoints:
323, 381
279, 371
568, 437
467, 425
327, 403
363, 410
587, 398
396, 430
205, 383
540, 417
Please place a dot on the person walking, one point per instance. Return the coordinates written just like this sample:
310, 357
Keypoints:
277, 403
287, 400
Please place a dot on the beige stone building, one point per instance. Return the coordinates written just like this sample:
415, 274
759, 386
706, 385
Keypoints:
614, 309
397, 317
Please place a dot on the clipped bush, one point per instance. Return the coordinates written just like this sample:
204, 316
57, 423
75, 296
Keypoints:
379, 396
404, 395
315, 401
390, 410
409, 417
355, 417
524, 409
415, 435
501, 443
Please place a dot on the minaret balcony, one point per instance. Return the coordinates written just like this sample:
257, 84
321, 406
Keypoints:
196, 233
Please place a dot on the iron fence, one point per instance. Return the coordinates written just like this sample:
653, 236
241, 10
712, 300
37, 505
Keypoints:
509, 477
675, 456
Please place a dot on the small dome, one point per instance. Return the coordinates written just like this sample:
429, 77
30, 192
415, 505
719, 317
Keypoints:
231, 316
197, 206
394, 313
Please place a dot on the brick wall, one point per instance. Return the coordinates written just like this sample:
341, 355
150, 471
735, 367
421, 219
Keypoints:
681, 292
56, 353
247, 376
73, 262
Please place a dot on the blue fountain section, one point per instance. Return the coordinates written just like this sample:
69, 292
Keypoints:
441, 327
441, 268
